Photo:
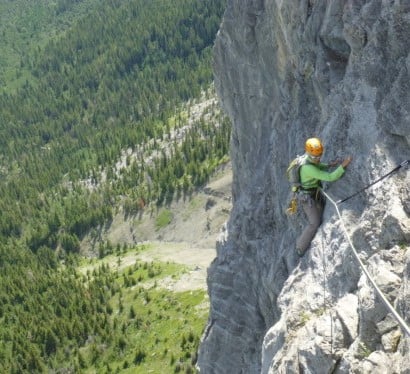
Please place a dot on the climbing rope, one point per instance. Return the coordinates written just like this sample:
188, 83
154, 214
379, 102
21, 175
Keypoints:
400, 320
397, 168
324, 293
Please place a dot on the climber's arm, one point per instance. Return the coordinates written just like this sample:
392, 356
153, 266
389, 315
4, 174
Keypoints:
312, 172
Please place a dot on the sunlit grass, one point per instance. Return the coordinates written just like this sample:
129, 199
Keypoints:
163, 219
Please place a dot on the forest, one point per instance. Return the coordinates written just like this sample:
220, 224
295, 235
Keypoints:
57, 319
110, 83
84, 83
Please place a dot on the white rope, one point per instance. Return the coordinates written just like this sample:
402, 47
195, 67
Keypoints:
397, 316
324, 294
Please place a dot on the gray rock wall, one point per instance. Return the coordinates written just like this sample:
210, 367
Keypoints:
286, 70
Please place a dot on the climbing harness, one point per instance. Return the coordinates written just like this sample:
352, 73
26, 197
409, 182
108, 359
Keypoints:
404, 163
399, 319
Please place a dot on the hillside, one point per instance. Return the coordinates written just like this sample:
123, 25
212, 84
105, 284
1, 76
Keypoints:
195, 218
151, 275
26, 27
87, 101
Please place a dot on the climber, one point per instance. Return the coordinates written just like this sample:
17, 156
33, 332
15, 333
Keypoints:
312, 172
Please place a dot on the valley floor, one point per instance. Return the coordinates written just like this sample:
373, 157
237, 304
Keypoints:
188, 239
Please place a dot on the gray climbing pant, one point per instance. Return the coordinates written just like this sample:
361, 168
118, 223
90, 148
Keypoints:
313, 205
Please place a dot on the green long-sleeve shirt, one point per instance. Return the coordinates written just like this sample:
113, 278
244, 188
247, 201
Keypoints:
311, 174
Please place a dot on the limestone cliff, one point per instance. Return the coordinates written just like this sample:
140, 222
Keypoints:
286, 70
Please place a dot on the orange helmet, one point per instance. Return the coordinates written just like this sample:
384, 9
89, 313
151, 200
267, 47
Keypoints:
314, 147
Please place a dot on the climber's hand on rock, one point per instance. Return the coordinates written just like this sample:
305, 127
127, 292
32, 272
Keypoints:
335, 162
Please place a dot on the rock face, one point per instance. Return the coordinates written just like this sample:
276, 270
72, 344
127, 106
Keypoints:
286, 70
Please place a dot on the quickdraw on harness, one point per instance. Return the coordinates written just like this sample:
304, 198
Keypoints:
293, 206
397, 168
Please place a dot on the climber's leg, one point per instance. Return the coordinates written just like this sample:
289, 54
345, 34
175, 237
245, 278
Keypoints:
313, 210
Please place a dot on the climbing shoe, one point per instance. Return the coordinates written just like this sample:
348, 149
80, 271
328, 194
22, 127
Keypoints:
300, 252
